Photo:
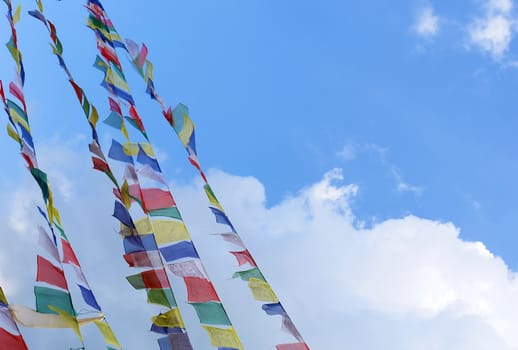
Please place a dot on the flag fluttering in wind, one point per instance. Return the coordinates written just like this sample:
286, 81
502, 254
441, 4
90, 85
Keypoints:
156, 240
54, 305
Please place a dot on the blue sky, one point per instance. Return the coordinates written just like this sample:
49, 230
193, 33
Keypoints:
414, 101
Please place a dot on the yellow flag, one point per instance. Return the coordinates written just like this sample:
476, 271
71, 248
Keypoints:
125, 197
171, 319
223, 337
16, 15
262, 290
12, 133
3, 299
40, 6
187, 130
132, 149
144, 226
108, 335
72, 321
212, 198
18, 118
94, 116
149, 71
167, 231
125, 131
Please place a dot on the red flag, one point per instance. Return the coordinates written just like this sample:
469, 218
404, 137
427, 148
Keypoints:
200, 290
169, 115
134, 115
16, 91
114, 106
100, 165
78, 90
69, 257
152, 198
155, 279
2, 91
11, 341
244, 257
143, 55
143, 259
50, 274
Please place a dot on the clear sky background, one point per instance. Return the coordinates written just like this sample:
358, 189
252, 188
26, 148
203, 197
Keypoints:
366, 151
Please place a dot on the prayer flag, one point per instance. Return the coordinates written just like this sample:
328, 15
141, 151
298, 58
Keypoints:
162, 297
89, 298
139, 243
200, 290
261, 290
155, 198
232, 238
221, 218
122, 214
47, 297
184, 249
11, 341
247, 274
167, 231
69, 257
143, 259
117, 153
178, 341
211, 313
171, 212
274, 309
50, 274
171, 319
289, 326
108, 335
244, 257
144, 158
223, 337
46, 243
192, 268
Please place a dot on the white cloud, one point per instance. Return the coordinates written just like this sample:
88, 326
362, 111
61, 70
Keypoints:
500, 5
427, 22
494, 31
411, 281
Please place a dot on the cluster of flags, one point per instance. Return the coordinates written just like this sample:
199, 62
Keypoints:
158, 243
54, 304
178, 118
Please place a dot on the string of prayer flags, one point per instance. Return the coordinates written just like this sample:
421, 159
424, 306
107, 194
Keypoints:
10, 336
51, 289
178, 118
156, 203
139, 258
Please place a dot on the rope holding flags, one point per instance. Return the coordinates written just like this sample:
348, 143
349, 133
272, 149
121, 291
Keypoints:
184, 128
155, 201
154, 280
54, 307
